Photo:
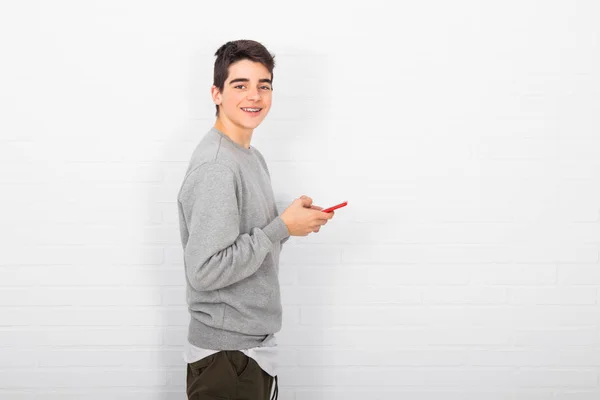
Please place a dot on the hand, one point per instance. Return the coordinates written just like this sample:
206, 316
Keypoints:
302, 218
313, 207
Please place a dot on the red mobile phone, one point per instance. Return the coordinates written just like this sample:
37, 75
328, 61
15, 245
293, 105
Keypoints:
330, 209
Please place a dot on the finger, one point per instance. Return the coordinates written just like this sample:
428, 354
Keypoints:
306, 201
316, 208
326, 216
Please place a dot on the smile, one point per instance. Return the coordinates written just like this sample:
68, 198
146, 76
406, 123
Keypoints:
251, 110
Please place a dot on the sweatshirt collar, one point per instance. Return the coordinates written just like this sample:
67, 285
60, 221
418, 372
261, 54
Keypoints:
234, 144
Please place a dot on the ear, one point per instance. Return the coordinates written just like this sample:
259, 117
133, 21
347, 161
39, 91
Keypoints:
216, 95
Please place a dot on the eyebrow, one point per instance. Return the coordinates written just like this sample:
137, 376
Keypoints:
248, 80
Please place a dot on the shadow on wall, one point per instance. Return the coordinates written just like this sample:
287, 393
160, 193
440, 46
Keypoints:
162, 231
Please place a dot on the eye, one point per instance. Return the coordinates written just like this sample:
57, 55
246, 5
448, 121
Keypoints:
266, 87
240, 87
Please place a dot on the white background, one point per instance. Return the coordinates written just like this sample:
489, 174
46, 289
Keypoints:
464, 134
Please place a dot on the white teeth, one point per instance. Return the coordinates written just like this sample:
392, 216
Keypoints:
251, 109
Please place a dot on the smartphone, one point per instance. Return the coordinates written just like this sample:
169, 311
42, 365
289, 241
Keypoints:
330, 209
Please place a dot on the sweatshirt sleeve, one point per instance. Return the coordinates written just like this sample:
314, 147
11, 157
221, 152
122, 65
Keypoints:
217, 254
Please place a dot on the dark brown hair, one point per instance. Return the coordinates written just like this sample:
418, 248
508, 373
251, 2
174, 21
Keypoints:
235, 51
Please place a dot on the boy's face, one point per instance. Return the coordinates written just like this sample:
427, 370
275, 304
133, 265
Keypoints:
246, 97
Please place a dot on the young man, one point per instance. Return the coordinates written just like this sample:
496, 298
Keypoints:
232, 235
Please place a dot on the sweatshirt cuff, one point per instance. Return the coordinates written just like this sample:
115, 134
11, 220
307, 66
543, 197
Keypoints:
276, 230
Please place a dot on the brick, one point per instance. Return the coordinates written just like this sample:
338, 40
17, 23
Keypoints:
553, 296
579, 274
338, 376
25, 338
87, 255
99, 296
302, 255
464, 295
413, 394
513, 274
72, 275
120, 393
381, 358
397, 276
468, 254
582, 336
386, 316
136, 359
344, 295
563, 356
572, 378
393, 337
78, 378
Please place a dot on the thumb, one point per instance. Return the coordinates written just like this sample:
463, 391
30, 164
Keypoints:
305, 201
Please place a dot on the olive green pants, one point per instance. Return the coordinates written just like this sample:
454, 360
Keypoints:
228, 375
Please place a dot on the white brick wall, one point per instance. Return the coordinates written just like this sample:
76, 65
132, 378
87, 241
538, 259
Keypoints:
465, 136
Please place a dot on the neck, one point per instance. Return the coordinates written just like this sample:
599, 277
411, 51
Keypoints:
239, 135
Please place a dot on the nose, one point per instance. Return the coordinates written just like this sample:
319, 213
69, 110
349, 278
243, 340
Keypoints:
253, 94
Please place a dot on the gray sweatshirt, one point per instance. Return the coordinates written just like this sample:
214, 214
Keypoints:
231, 234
